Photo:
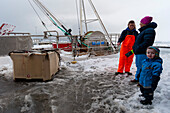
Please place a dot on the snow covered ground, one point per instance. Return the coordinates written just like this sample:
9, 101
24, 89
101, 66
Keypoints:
89, 86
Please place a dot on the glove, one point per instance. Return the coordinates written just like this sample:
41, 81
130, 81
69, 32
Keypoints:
129, 53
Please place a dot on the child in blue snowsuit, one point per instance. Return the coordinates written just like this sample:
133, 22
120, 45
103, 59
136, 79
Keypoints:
150, 74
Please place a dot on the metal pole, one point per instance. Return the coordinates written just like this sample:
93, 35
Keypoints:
84, 15
81, 29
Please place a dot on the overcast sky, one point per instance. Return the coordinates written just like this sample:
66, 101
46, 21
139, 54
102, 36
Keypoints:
115, 15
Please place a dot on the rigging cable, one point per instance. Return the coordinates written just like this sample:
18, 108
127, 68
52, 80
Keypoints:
47, 13
38, 16
52, 17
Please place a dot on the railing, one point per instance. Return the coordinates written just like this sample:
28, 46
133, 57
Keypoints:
54, 38
19, 33
38, 38
114, 38
93, 50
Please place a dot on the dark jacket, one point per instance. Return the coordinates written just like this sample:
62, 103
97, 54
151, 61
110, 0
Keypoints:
126, 32
145, 38
151, 69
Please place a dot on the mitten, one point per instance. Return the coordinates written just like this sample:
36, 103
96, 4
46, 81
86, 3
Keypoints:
129, 53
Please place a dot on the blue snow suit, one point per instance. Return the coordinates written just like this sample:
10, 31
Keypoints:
145, 39
150, 76
150, 68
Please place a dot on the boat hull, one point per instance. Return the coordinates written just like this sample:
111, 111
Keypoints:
63, 46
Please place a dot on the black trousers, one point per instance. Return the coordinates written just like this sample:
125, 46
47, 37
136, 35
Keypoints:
148, 93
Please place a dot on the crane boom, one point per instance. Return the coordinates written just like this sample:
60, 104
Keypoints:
52, 18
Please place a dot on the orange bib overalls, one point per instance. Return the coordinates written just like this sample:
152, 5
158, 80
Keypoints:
124, 61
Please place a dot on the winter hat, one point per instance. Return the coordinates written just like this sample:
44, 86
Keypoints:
146, 20
157, 51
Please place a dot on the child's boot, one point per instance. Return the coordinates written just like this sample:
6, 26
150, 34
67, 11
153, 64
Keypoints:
146, 102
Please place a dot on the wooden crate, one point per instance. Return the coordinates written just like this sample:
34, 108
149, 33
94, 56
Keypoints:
35, 65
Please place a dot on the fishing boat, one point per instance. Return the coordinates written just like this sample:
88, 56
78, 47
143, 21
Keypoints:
91, 41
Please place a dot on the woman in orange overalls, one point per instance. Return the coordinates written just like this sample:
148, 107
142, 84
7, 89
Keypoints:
127, 39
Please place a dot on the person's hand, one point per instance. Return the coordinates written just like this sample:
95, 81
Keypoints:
118, 44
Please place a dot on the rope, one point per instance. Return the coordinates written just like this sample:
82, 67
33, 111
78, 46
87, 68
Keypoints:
38, 16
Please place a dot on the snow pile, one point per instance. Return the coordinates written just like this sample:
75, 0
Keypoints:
42, 46
6, 67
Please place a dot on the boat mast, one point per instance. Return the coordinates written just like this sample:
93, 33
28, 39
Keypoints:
101, 23
81, 29
98, 17
82, 10
85, 20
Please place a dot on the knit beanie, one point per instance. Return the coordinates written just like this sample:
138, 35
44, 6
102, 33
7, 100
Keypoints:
157, 51
146, 20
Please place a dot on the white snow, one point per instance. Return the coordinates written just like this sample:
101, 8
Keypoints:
109, 64
42, 46
27, 103
6, 67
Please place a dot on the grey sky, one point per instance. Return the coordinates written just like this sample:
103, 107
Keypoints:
115, 15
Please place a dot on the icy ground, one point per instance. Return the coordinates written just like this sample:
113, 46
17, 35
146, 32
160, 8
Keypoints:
89, 86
